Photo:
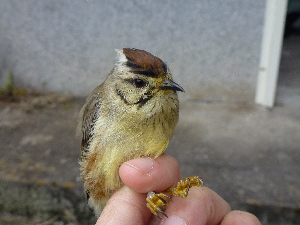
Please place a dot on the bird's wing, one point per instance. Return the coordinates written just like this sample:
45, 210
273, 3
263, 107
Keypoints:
88, 115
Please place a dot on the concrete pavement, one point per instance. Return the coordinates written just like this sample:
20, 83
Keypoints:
247, 154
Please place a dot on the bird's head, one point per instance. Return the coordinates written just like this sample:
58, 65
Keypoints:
142, 76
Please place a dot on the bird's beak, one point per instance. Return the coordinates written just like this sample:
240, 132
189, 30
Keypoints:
170, 85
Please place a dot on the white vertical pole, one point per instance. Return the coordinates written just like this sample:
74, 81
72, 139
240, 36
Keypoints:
270, 52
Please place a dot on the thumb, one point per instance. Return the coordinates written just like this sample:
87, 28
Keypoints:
125, 207
141, 175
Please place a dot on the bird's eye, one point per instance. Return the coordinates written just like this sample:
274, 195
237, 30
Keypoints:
139, 83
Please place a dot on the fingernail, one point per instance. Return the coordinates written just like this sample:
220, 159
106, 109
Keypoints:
143, 165
175, 220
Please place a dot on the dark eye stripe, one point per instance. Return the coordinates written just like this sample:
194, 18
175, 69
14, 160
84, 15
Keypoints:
145, 72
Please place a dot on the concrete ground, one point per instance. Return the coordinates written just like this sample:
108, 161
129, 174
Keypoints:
248, 154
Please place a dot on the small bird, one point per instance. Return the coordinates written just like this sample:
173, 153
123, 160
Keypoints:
132, 114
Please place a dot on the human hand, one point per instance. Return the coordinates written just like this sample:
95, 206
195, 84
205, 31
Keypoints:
142, 175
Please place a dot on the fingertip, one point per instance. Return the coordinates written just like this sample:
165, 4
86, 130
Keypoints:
237, 217
202, 206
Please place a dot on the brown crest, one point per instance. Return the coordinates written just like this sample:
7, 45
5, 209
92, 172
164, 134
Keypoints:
142, 62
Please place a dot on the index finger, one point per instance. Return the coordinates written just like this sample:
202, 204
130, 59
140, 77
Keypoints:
202, 206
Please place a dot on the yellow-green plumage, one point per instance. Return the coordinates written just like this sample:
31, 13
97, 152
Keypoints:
132, 114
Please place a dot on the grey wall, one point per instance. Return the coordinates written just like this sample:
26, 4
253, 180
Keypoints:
212, 47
